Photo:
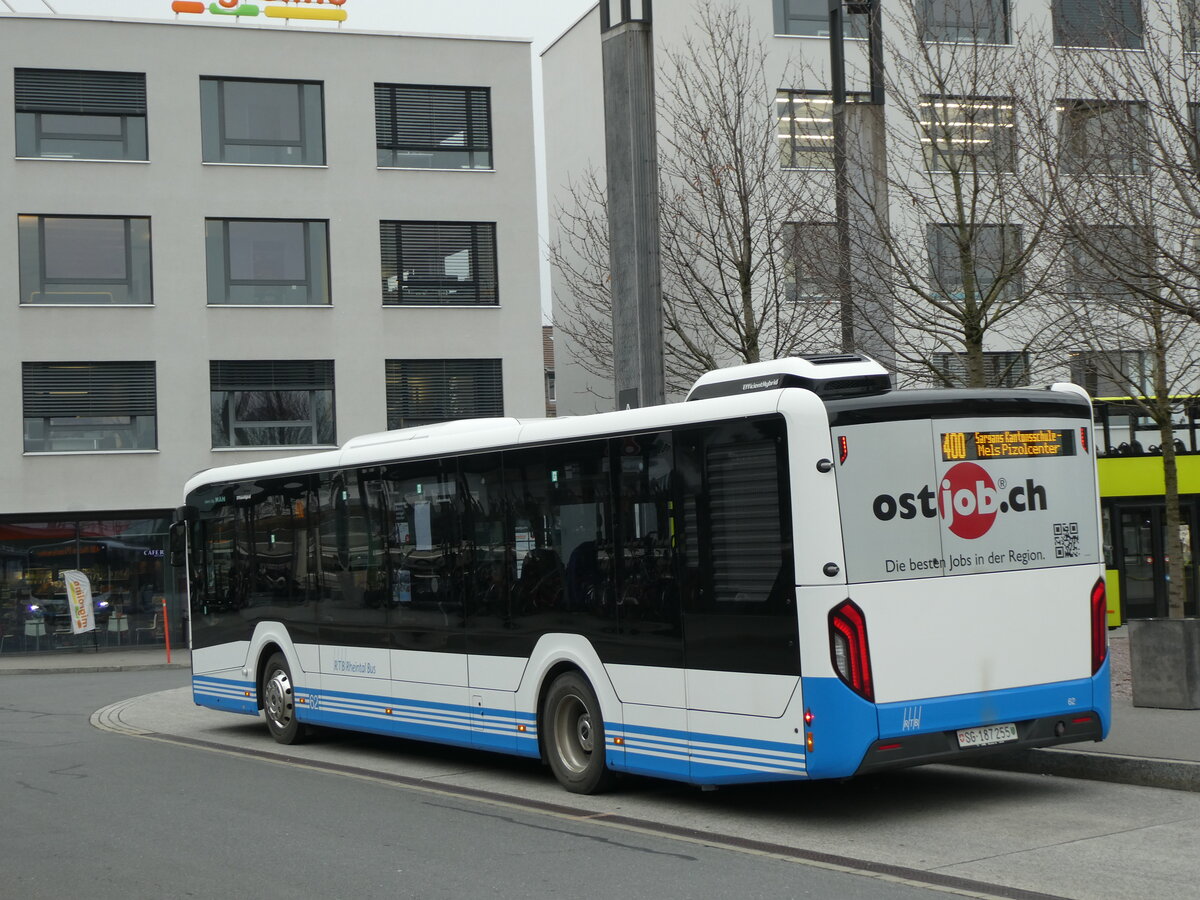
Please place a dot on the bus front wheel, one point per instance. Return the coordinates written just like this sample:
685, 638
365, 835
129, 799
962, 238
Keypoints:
279, 701
573, 729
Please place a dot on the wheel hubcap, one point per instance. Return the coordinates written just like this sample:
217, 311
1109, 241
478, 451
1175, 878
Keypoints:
573, 730
277, 699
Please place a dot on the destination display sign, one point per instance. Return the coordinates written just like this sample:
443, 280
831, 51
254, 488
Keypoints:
1011, 444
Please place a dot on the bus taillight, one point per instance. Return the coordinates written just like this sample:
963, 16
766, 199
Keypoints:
848, 648
1099, 625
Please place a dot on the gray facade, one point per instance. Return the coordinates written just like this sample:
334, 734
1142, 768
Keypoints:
228, 242
181, 331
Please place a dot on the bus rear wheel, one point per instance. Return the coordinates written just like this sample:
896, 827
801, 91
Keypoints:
279, 701
573, 728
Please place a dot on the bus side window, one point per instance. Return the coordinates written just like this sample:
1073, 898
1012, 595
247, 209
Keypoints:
343, 539
488, 567
648, 595
422, 563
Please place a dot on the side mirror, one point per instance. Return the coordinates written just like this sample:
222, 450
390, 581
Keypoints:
178, 544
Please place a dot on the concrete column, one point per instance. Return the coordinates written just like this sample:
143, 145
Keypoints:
627, 54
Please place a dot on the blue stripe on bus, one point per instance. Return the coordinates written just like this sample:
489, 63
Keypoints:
448, 723
705, 758
225, 694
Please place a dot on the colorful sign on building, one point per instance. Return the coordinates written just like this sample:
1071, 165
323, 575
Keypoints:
327, 10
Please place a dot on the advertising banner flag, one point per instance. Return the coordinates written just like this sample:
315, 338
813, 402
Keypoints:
79, 599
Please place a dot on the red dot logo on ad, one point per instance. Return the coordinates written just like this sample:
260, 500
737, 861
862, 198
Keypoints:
968, 500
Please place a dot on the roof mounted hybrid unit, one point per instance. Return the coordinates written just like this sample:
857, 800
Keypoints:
828, 375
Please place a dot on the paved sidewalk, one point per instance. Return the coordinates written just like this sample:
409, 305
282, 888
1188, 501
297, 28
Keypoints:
90, 660
1154, 747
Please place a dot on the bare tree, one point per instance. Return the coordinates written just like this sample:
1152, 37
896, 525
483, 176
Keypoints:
726, 204
966, 258
1120, 147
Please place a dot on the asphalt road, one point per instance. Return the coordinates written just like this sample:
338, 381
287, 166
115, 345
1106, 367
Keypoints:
115, 786
92, 813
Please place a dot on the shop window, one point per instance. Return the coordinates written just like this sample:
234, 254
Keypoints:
438, 262
267, 262
74, 114
125, 563
424, 391
88, 406
263, 122
272, 403
421, 126
92, 260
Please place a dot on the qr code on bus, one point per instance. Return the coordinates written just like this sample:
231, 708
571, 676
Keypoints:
1066, 539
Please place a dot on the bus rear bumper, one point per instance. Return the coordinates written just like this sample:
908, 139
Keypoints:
947, 746
952, 729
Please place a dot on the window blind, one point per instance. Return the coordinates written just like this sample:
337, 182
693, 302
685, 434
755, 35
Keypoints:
76, 91
53, 389
450, 262
271, 375
439, 389
428, 117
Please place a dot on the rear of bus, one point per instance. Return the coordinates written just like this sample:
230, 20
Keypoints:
973, 615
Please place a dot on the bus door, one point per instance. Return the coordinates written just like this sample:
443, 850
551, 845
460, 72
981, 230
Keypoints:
1143, 560
738, 591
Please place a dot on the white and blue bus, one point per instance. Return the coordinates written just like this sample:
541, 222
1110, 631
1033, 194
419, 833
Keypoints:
799, 573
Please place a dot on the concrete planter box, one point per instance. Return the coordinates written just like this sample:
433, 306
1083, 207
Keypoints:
1164, 662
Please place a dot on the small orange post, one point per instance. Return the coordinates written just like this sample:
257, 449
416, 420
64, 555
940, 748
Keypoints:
166, 630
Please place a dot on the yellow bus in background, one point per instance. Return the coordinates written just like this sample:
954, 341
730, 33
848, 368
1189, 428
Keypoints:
1129, 461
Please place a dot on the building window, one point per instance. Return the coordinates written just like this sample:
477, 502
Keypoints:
810, 18
425, 126
267, 262
968, 134
263, 122
86, 406
424, 391
69, 114
272, 403
805, 129
993, 250
84, 259
1098, 23
1105, 137
1109, 265
965, 21
1111, 373
810, 263
1005, 369
438, 262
